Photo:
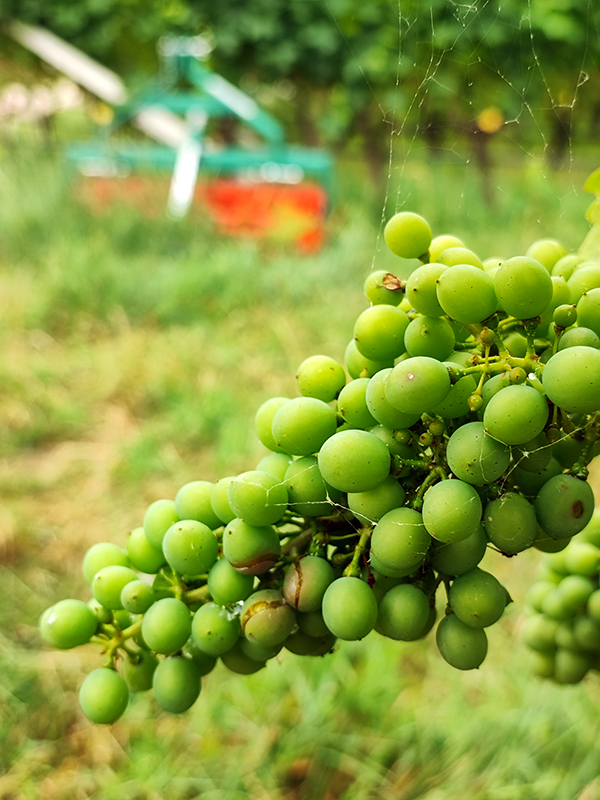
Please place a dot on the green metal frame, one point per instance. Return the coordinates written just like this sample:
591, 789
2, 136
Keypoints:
211, 96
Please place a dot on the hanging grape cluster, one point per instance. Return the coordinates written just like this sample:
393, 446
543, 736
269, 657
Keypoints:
468, 422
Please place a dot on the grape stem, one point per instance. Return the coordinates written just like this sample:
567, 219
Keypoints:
353, 569
119, 640
437, 473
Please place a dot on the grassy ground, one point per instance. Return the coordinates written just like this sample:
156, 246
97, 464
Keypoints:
133, 356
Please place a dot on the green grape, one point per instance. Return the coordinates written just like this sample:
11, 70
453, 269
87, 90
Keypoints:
399, 543
266, 618
523, 287
321, 377
456, 402
459, 256
308, 494
305, 583
575, 590
474, 456
538, 632
137, 597
516, 344
312, 623
441, 243
593, 605
582, 558
142, 555
492, 386
103, 554
352, 404
219, 500
370, 506
564, 315
421, 289
579, 337
530, 483
108, 584
259, 652
541, 664
555, 606
564, 635
202, 660
159, 517
403, 613
535, 594
104, 696
263, 422
466, 293
462, 646
190, 547
226, 585
571, 666
275, 464
546, 544
451, 510
407, 235
383, 287
417, 385
138, 670
349, 608
354, 461
586, 633
396, 446
571, 379
460, 557
250, 549
534, 455
379, 407
379, 332
516, 414
360, 367
193, 502
429, 336
214, 629
258, 498
588, 310
510, 523
167, 625
302, 425
477, 598
176, 684
567, 265
68, 624
564, 506
547, 252
301, 644
585, 278
560, 296
237, 661
591, 532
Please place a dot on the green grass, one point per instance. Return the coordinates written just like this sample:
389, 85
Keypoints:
133, 356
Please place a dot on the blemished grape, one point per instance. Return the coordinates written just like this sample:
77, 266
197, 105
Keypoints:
461, 645
451, 510
176, 684
104, 696
407, 234
349, 608
321, 377
467, 428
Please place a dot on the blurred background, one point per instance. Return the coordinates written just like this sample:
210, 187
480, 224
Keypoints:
139, 334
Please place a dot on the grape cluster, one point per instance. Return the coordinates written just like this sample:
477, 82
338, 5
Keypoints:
468, 422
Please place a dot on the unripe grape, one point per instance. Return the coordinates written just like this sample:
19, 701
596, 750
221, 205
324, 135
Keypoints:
523, 287
312, 623
474, 456
421, 289
403, 613
588, 310
455, 256
258, 498
104, 696
380, 408
539, 632
108, 584
219, 500
571, 379
259, 652
301, 644
466, 293
263, 422
443, 242
302, 425
305, 583
68, 623
237, 661
360, 367
193, 502
462, 646
579, 337
383, 287
349, 608
451, 510
141, 553
321, 377
407, 235
275, 464
214, 629
159, 517
354, 461
379, 332
547, 252
510, 523
565, 315
226, 585
564, 505
202, 660
571, 666
190, 547
352, 404
461, 557
370, 506
167, 625
477, 598
137, 597
103, 554
399, 543
417, 385
429, 336
516, 414
567, 265
176, 684
584, 279
138, 670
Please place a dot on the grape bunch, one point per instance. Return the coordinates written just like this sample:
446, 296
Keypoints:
464, 419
